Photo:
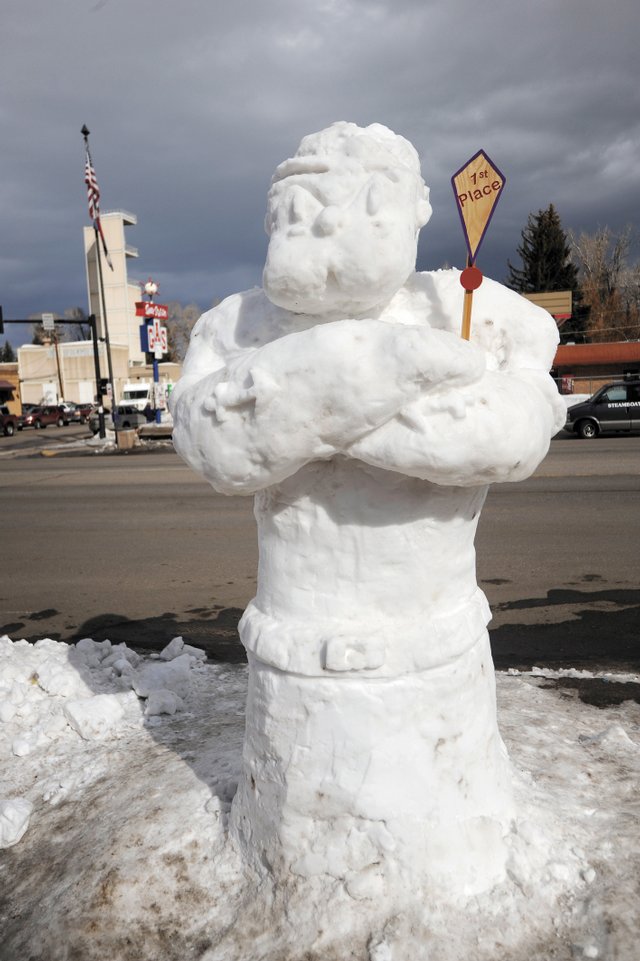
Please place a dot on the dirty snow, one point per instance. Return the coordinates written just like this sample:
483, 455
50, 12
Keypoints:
114, 823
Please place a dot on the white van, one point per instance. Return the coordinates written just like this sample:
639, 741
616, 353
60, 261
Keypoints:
137, 395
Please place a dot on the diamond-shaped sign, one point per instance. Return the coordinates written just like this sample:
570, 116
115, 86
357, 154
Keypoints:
477, 187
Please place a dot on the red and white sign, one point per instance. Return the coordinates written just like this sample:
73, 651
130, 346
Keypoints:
159, 396
155, 311
157, 339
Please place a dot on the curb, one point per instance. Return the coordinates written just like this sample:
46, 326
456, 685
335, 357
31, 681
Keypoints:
157, 448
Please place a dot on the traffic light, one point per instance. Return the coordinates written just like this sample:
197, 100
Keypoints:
104, 381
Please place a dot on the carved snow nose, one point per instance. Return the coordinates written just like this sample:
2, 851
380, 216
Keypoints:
328, 221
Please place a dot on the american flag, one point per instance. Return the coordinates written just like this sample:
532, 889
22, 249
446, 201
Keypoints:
93, 197
93, 191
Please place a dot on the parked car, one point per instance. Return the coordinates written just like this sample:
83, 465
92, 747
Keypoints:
127, 417
9, 423
84, 410
615, 407
76, 413
40, 417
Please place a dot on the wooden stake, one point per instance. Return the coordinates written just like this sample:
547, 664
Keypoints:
470, 278
466, 315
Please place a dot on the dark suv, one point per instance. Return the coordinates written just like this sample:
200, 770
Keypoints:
43, 416
9, 423
615, 407
127, 418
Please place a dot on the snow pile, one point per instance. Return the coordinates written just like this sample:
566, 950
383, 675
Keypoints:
101, 443
52, 693
127, 851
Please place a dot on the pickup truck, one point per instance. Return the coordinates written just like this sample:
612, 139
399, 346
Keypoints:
9, 423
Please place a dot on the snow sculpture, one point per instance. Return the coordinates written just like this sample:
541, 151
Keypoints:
342, 396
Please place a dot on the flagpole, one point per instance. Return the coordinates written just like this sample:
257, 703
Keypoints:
103, 311
103, 307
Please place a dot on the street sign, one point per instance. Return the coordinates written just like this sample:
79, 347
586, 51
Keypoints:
477, 187
48, 322
159, 396
145, 308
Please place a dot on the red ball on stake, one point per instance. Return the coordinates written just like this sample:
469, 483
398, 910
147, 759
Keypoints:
471, 278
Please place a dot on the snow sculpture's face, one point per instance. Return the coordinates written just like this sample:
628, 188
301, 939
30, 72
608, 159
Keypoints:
343, 226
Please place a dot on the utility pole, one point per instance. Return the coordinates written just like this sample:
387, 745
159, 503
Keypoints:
48, 324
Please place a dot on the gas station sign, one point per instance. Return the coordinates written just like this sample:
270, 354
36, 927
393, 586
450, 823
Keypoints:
145, 308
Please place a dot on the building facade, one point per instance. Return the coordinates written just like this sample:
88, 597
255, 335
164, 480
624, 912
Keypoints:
583, 368
10, 387
120, 293
49, 374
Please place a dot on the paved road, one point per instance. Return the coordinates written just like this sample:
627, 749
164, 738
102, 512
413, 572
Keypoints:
134, 547
28, 440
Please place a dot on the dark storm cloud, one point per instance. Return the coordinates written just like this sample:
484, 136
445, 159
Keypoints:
191, 105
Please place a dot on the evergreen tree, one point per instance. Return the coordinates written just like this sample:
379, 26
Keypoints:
7, 354
546, 256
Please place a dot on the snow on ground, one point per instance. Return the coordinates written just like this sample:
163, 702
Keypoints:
117, 773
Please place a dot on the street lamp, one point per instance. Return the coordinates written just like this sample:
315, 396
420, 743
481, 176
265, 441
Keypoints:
151, 288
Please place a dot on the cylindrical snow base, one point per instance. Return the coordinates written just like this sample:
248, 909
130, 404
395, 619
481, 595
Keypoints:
385, 785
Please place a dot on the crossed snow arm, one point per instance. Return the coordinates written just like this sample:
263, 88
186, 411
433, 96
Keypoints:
404, 398
497, 429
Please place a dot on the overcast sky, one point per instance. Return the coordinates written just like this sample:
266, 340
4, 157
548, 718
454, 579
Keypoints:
192, 103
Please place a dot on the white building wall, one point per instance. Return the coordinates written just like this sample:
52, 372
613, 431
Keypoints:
38, 371
119, 293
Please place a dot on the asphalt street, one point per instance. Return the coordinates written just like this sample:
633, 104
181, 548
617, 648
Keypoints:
134, 547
